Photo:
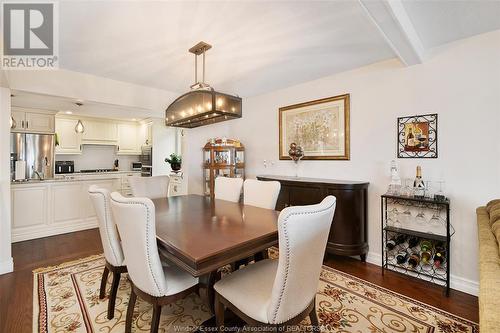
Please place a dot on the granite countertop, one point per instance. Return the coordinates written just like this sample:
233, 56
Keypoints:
74, 177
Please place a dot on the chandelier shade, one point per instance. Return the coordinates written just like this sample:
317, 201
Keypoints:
202, 105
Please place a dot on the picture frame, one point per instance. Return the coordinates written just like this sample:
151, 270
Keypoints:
321, 127
417, 136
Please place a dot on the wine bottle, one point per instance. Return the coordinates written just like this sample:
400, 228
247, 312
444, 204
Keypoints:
412, 242
401, 257
391, 244
414, 260
418, 184
438, 259
400, 239
425, 246
425, 257
439, 255
410, 139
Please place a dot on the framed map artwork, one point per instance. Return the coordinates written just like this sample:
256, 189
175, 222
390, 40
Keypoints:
320, 127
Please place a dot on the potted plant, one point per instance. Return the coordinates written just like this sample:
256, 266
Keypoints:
175, 161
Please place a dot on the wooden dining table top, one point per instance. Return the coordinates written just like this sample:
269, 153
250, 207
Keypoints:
202, 235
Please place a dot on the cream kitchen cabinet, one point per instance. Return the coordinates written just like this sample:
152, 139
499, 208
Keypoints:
55, 207
99, 132
29, 206
146, 134
70, 142
128, 139
33, 121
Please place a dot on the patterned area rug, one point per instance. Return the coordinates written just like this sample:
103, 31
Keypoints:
65, 299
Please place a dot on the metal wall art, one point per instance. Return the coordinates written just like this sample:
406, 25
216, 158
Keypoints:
417, 136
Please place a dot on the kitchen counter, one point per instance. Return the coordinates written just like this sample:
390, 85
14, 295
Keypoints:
77, 177
62, 204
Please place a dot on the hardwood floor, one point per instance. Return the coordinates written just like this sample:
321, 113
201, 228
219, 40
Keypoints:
16, 289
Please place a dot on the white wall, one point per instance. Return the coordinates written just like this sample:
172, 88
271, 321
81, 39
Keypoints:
461, 82
99, 157
6, 264
164, 144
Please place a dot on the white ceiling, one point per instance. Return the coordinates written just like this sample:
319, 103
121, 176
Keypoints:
68, 105
439, 22
258, 46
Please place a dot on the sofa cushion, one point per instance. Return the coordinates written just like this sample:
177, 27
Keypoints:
492, 203
494, 213
495, 228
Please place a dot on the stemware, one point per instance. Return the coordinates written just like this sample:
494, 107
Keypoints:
407, 189
393, 217
420, 217
406, 216
439, 195
436, 222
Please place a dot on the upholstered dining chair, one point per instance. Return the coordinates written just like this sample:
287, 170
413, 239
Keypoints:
263, 194
228, 189
111, 244
152, 282
281, 292
149, 187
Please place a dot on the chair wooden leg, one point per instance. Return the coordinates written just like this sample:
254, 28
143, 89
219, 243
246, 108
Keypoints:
314, 318
112, 294
104, 281
219, 313
155, 321
261, 255
130, 311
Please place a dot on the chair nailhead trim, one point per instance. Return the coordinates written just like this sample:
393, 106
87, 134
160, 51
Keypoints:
147, 240
287, 258
106, 222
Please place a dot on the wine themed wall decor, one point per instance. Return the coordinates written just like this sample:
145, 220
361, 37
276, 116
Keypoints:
417, 136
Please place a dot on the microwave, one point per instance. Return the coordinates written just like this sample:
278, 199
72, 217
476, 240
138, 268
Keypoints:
136, 166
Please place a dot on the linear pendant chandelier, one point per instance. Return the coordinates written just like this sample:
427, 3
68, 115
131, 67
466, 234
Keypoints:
202, 105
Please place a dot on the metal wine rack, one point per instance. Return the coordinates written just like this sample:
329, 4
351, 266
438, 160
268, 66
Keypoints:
427, 272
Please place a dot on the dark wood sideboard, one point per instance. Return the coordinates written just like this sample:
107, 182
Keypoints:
348, 234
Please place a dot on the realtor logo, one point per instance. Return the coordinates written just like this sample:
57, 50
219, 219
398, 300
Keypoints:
29, 35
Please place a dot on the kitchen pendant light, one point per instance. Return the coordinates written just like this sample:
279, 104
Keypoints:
13, 123
79, 128
202, 105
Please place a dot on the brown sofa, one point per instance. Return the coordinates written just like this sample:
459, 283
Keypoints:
488, 225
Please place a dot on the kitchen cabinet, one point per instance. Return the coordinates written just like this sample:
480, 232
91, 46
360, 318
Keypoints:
176, 185
126, 190
66, 208
29, 206
33, 121
99, 132
56, 207
146, 134
128, 139
70, 142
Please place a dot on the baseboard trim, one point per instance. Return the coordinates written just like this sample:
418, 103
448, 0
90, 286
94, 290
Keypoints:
458, 283
6, 266
35, 232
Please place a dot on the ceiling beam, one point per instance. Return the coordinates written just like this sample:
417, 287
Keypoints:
391, 19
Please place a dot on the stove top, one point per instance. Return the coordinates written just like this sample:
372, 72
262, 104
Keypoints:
97, 170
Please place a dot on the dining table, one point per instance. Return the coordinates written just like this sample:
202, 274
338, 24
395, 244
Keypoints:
200, 235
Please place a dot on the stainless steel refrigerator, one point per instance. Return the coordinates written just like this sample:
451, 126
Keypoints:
37, 150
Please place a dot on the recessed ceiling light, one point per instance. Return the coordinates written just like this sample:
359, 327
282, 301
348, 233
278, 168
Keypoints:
69, 112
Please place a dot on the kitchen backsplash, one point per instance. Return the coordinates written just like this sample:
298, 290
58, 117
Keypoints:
99, 157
